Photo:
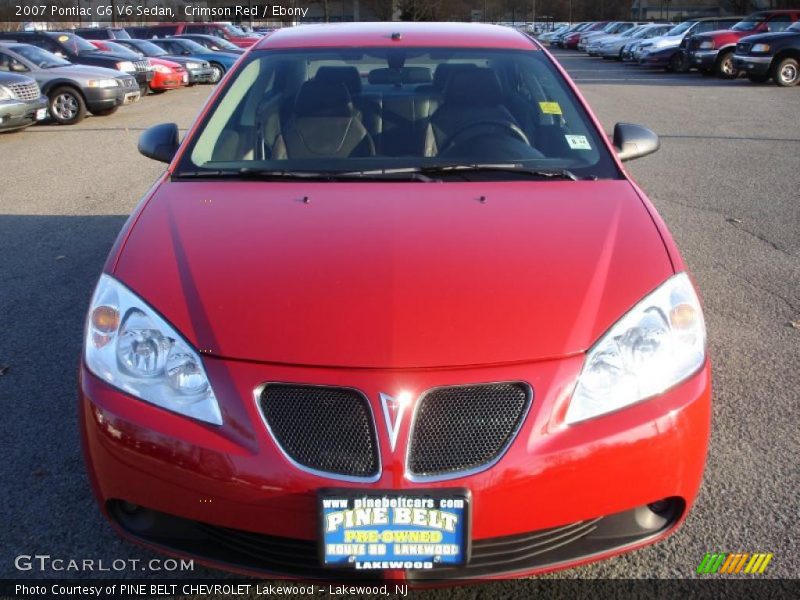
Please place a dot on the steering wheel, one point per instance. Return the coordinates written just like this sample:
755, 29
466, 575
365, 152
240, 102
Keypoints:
481, 128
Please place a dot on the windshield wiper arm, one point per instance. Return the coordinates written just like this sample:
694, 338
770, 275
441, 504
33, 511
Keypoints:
281, 174
503, 168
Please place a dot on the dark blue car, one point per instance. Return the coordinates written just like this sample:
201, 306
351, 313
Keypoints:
220, 61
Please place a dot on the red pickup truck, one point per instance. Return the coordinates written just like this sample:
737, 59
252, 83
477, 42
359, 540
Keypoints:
713, 52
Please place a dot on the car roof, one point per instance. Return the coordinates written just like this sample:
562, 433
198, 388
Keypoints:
381, 33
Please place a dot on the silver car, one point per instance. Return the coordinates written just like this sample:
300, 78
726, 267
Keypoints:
615, 48
71, 90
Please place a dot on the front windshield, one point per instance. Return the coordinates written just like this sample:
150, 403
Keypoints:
233, 31
633, 32
191, 46
217, 43
41, 58
148, 48
373, 109
655, 31
748, 24
682, 28
643, 31
74, 44
121, 50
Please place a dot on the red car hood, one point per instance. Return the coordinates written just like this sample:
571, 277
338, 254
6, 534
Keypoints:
393, 275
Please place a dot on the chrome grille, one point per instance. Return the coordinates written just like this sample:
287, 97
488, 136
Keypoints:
26, 91
142, 66
465, 429
328, 430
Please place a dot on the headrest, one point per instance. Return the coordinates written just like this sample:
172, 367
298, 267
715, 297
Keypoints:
474, 87
348, 76
317, 99
406, 75
445, 71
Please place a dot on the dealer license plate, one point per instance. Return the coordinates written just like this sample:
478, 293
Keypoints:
394, 530
41, 114
131, 97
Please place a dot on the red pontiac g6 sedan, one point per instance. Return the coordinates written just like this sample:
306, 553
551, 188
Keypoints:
395, 309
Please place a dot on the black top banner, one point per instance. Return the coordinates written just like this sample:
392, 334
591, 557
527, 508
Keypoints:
33, 14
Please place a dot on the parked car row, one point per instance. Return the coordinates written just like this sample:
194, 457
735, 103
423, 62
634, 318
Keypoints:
68, 74
764, 45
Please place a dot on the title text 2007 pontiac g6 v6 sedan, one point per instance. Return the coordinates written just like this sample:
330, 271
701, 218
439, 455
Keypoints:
395, 309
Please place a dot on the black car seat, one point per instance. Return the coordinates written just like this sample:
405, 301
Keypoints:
348, 76
471, 96
324, 123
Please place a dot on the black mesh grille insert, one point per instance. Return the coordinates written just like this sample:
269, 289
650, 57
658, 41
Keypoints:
462, 428
323, 428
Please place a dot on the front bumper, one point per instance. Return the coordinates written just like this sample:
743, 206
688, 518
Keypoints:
233, 481
202, 75
703, 59
167, 81
753, 65
106, 98
143, 78
16, 114
657, 58
609, 51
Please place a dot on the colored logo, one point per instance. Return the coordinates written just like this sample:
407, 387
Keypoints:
743, 562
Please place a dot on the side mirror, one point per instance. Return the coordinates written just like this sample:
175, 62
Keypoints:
18, 67
634, 141
159, 142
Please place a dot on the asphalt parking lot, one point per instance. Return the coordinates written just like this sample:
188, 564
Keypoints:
727, 182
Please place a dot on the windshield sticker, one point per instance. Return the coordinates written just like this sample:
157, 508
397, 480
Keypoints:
63, 38
578, 142
550, 108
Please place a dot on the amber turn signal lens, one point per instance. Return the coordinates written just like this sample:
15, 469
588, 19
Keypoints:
682, 316
105, 319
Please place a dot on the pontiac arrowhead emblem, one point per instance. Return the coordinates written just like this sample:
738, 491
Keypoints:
393, 411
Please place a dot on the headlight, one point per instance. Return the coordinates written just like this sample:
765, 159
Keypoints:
162, 69
709, 45
760, 48
101, 83
126, 65
192, 65
660, 342
6, 94
131, 347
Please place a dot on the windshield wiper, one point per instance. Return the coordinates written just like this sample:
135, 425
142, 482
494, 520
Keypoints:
503, 168
281, 174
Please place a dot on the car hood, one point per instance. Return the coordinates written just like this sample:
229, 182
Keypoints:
12, 78
665, 41
722, 36
394, 275
85, 72
773, 36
